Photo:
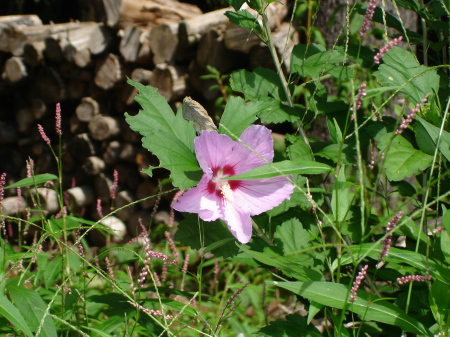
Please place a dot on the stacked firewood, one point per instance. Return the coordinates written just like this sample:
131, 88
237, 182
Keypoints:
84, 66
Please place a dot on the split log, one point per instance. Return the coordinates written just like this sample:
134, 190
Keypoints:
114, 226
80, 197
124, 198
8, 133
135, 45
28, 34
15, 70
155, 11
93, 165
10, 24
109, 72
170, 81
82, 147
128, 175
13, 206
54, 46
136, 219
191, 30
144, 190
240, 39
164, 42
212, 51
141, 75
76, 89
47, 199
25, 119
49, 85
103, 127
200, 84
38, 108
33, 53
87, 109
102, 187
112, 152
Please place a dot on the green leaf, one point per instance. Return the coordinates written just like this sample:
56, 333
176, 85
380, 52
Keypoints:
293, 326
291, 236
237, 117
396, 255
336, 296
274, 111
402, 70
292, 266
168, 136
245, 19
283, 168
33, 306
236, 4
31, 181
194, 232
342, 196
299, 150
439, 299
172, 305
313, 60
13, 315
402, 160
433, 133
259, 83
53, 272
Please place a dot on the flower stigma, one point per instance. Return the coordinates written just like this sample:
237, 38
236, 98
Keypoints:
223, 186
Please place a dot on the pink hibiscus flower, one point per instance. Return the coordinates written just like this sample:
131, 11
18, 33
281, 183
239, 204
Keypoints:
234, 201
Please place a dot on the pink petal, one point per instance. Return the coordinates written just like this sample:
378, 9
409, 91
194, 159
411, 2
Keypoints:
258, 139
212, 150
239, 224
258, 196
199, 200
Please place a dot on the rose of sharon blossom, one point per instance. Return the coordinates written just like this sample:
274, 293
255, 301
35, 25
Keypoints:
234, 201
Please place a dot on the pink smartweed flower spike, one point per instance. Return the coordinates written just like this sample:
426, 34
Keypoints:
2, 186
43, 135
387, 242
360, 96
99, 208
114, 185
406, 121
234, 201
185, 264
413, 278
386, 48
357, 283
372, 4
58, 119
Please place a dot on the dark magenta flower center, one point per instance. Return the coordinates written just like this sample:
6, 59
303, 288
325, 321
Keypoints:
223, 188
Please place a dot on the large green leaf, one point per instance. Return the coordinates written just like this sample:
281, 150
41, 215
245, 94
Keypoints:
294, 266
402, 160
33, 307
291, 236
244, 19
336, 296
313, 60
168, 136
38, 179
396, 255
293, 325
237, 116
401, 69
283, 168
342, 196
13, 315
433, 133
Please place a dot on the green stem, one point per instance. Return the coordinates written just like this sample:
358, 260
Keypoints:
260, 234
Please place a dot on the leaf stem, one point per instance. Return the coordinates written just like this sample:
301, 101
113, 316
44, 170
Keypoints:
260, 234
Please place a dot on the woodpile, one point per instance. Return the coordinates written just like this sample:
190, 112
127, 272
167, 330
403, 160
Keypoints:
84, 67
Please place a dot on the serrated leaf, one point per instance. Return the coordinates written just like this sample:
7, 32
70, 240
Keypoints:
298, 150
401, 69
402, 160
194, 232
237, 117
33, 306
433, 133
258, 84
13, 315
168, 136
336, 296
283, 168
291, 236
314, 60
31, 181
293, 266
292, 326
245, 19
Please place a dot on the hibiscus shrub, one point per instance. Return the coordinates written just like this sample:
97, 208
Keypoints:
324, 220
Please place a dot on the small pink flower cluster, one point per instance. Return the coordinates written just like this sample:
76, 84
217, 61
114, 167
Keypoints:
231, 300
406, 121
413, 278
58, 119
114, 185
150, 311
368, 17
357, 283
360, 96
386, 48
387, 242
